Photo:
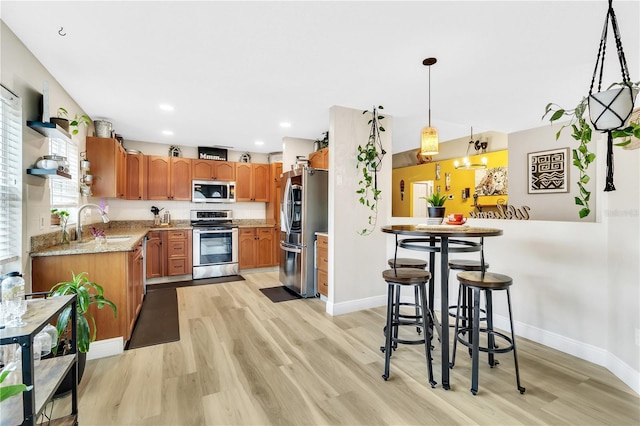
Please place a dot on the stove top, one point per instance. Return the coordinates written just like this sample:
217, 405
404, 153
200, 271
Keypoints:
212, 218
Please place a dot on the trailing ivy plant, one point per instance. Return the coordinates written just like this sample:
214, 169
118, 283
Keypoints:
582, 157
369, 161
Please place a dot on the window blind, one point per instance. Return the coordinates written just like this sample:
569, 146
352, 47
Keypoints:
10, 176
65, 192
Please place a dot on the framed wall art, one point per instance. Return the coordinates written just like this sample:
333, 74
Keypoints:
548, 171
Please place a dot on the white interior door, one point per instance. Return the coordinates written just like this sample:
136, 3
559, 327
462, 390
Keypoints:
421, 189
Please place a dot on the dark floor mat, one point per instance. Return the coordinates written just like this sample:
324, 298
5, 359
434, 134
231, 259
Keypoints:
190, 283
279, 294
158, 320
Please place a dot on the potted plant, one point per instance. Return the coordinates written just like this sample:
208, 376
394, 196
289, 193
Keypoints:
87, 293
582, 132
7, 391
64, 121
369, 160
436, 202
61, 217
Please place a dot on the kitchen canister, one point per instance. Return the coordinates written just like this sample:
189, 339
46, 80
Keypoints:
103, 128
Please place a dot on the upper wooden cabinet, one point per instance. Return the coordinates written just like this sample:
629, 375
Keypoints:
168, 178
252, 182
275, 191
319, 159
136, 182
213, 170
108, 167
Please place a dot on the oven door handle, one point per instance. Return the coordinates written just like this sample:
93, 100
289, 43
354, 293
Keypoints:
212, 231
290, 248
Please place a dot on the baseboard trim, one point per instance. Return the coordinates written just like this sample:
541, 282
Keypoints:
105, 348
340, 308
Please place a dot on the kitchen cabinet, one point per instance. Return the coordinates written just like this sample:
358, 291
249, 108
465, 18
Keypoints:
168, 178
319, 159
322, 265
108, 167
114, 271
25, 408
136, 182
255, 247
252, 182
135, 286
169, 253
273, 207
155, 258
213, 170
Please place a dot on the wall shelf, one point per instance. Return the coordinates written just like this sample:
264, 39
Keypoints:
50, 130
49, 173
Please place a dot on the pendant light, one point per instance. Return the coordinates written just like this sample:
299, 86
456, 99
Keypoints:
466, 163
429, 137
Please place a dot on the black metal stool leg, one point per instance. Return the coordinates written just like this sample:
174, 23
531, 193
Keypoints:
416, 295
513, 342
427, 342
476, 341
491, 340
388, 331
396, 315
455, 330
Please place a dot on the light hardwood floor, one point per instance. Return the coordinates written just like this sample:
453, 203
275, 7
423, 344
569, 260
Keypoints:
242, 359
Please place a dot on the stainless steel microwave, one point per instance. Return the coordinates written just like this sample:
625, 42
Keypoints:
211, 191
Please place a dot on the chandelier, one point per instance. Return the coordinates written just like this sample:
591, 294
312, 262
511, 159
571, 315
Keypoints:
466, 164
429, 137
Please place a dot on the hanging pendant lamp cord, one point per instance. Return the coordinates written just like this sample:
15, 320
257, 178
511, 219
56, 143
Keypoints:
429, 95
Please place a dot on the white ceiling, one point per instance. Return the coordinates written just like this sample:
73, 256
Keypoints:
235, 70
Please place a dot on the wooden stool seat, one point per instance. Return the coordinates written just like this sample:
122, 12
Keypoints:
488, 280
407, 276
405, 262
467, 265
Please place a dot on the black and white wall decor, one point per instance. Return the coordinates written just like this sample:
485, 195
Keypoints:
548, 171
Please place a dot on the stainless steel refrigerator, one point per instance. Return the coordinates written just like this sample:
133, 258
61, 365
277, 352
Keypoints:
303, 212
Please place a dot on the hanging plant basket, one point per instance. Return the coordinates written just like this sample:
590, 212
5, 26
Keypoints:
610, 109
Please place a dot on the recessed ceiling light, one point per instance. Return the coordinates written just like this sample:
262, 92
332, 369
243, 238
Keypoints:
165, 107
285, 124
167, 132
259, 143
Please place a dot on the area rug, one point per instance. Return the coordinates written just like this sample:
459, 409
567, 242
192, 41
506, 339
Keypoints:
158, 320
279, 294
191, 283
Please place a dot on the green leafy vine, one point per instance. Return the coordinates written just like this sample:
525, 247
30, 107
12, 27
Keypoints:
369, 161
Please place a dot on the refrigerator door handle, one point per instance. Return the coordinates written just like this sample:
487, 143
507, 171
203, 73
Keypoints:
289, 248
285, 209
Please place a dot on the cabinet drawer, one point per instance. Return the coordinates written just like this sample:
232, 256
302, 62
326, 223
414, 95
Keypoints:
323, 283
177, 248
246, 231
264, 231
177, 266
177, 235
322, 259
323, 242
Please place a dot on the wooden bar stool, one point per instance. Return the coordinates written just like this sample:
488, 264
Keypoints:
397, 278
405, 262
487, 282
465, 265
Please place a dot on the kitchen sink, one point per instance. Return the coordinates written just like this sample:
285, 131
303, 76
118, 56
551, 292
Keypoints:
118, 239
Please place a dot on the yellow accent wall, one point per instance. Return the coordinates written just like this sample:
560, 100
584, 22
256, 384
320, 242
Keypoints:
460, 179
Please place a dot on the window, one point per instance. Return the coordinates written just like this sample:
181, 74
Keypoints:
64, 192
10, 177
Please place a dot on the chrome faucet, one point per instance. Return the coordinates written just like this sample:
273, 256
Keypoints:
105, 219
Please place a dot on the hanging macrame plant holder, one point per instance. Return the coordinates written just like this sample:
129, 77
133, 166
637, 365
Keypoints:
610, 109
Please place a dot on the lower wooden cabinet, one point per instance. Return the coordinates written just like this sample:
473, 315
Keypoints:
119, 273
322, 264
256, 247
169, 253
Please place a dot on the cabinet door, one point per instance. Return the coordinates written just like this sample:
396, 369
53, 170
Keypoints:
224, 170
105, 155
247, 248
155, 255
136, 177
180, 179
264, 247
261, 180
134, 289
158, 173
121, 171
202, 169
243, 182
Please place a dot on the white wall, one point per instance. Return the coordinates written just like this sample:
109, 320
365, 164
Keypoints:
292, 148
355, 262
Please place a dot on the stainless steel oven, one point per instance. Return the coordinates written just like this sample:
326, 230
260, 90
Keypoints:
215, 244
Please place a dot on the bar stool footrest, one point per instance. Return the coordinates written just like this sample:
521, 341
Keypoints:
494, 333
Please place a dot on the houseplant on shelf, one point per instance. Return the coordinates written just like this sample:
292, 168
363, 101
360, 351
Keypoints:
73, 124
436, 203
87, 293
369, 161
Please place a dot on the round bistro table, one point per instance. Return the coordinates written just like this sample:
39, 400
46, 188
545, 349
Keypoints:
443, 239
